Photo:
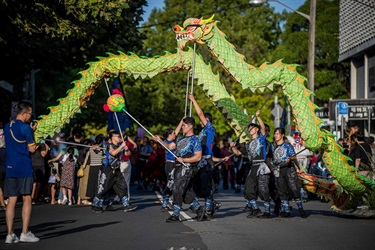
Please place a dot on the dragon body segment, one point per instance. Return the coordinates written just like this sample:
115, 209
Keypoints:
138, 67
347, 184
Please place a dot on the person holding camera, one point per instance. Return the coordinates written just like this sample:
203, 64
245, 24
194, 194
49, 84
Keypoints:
19, 179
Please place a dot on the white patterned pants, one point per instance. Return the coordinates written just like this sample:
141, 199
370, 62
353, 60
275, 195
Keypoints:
126, 171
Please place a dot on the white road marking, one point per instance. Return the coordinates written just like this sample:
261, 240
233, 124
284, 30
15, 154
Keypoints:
182, 213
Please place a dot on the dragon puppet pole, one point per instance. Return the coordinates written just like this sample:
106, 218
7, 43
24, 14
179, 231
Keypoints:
118, 123
166, 148
71, 143
192, 76
252, 117
187, 91
116, 103
221, 161
291, 157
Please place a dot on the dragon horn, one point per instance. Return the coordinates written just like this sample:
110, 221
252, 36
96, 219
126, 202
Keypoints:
207, 20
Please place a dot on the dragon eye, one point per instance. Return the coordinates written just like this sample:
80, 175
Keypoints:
176, 28
191, 28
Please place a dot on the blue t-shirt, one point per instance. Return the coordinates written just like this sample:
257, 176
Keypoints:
18, 157
256, 149
168, 155
206, 137
56, 149
187, 146
282, 152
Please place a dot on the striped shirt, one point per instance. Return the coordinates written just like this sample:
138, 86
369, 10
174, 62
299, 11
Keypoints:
95, 158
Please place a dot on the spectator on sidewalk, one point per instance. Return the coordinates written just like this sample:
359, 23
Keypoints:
37, 159
20, 143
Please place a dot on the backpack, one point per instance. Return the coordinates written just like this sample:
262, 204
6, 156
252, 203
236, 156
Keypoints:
112, 162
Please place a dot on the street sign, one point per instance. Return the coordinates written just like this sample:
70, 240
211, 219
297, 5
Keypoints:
342, 111
322, 113
361, 112
343, 108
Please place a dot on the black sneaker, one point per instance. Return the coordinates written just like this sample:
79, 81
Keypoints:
164, 209
285, 214
173, 218
129, 208
207, 215
215, 205
248, 209
255, 213
200, 213
96, 210
266, 215
302, 212
110, 208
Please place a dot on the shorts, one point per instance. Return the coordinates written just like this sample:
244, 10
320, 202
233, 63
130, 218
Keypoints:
18, 186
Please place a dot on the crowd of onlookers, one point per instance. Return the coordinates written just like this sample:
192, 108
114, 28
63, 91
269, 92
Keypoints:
58, 159
57, 163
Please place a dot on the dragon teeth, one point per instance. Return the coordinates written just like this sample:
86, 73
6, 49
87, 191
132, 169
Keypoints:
180, 37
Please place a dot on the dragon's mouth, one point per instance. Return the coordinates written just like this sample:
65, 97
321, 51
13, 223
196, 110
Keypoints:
180, 37
183, 38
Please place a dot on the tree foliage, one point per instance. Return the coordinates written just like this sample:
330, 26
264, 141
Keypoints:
59, 37
331, 77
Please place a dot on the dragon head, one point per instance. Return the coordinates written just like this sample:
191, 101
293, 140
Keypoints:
194, 29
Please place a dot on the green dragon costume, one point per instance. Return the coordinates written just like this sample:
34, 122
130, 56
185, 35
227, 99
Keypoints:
347, 186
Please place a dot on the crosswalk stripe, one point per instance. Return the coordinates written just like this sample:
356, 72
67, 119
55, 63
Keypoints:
182, 213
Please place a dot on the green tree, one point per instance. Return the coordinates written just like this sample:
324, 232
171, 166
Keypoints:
59, 38
331, 77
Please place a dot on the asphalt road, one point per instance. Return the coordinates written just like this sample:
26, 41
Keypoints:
76, 227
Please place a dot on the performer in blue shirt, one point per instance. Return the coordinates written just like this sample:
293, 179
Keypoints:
189, 153
257, 181
170, 143
203, 182
285, 173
